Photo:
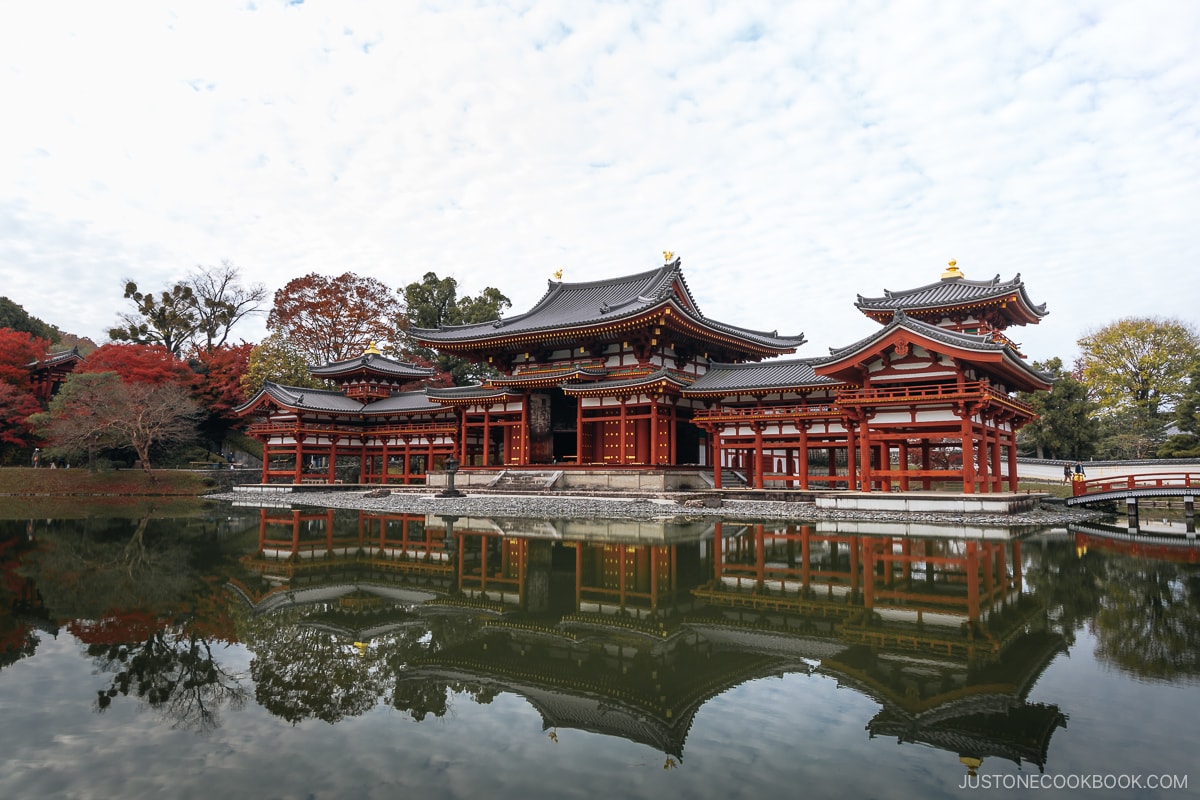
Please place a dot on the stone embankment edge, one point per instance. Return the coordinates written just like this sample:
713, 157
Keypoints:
575, 506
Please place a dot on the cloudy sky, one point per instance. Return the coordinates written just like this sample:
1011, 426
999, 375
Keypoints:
795, 154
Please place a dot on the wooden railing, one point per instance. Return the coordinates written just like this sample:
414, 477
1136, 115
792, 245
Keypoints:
906, 393
766, 412
1122, 483
268, 428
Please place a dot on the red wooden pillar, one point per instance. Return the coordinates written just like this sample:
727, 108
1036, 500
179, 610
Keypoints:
331, 470
985, 453
487, 436
623, 432
903, 457
674, 458
968, 452
654, 448
864, 456
578, 431
997, 477
760, 461
1013, 478
802, 456
718, 455
298, 467
523, 433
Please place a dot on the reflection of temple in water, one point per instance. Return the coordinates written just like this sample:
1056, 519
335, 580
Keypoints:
628, 629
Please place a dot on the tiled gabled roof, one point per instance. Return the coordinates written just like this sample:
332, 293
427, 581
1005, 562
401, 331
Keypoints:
574, 305
303, 399
53, 359
401, 403
782, 374
950, 292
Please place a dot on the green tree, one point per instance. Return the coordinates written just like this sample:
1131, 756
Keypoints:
275, 359
197, 313
169, 319
1139, 363
1066, 426
1186, 444
1136, 370
13, 315
433, 302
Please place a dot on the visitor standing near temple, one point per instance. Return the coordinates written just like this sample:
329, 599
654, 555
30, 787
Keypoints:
1067, 470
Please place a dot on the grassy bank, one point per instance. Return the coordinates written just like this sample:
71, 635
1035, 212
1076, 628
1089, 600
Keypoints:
71, 493
29, 482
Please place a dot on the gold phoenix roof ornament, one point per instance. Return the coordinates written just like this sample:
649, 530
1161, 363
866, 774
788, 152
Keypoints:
953, 271
668, 256
558, 273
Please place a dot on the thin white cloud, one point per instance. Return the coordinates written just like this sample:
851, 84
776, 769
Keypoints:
796, 155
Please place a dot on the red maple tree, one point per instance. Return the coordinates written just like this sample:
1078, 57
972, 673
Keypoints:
138, 363
15, 407
18, 350
331, 319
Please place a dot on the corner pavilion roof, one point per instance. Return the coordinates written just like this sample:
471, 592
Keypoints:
955, 291
1001, 356
332, 401
568, 307
372, 363
780, 374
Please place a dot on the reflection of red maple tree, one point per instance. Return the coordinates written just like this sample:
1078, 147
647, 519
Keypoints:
119, 627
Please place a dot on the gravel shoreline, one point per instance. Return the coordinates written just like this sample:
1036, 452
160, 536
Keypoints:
642, 508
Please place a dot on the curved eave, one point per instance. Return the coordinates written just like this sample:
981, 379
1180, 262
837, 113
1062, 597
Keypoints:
297, 399
415, 373
659, 379
794, 375
457, 397
767, 388
1000, 359
549, 378
418, 402
667, 313
1010, 295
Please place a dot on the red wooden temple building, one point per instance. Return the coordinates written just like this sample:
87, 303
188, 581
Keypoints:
627, 374
47, 375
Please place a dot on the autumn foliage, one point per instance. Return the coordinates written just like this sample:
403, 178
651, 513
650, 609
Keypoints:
138, 363
332, 319
18, 350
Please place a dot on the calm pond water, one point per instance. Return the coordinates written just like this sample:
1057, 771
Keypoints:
306, 653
